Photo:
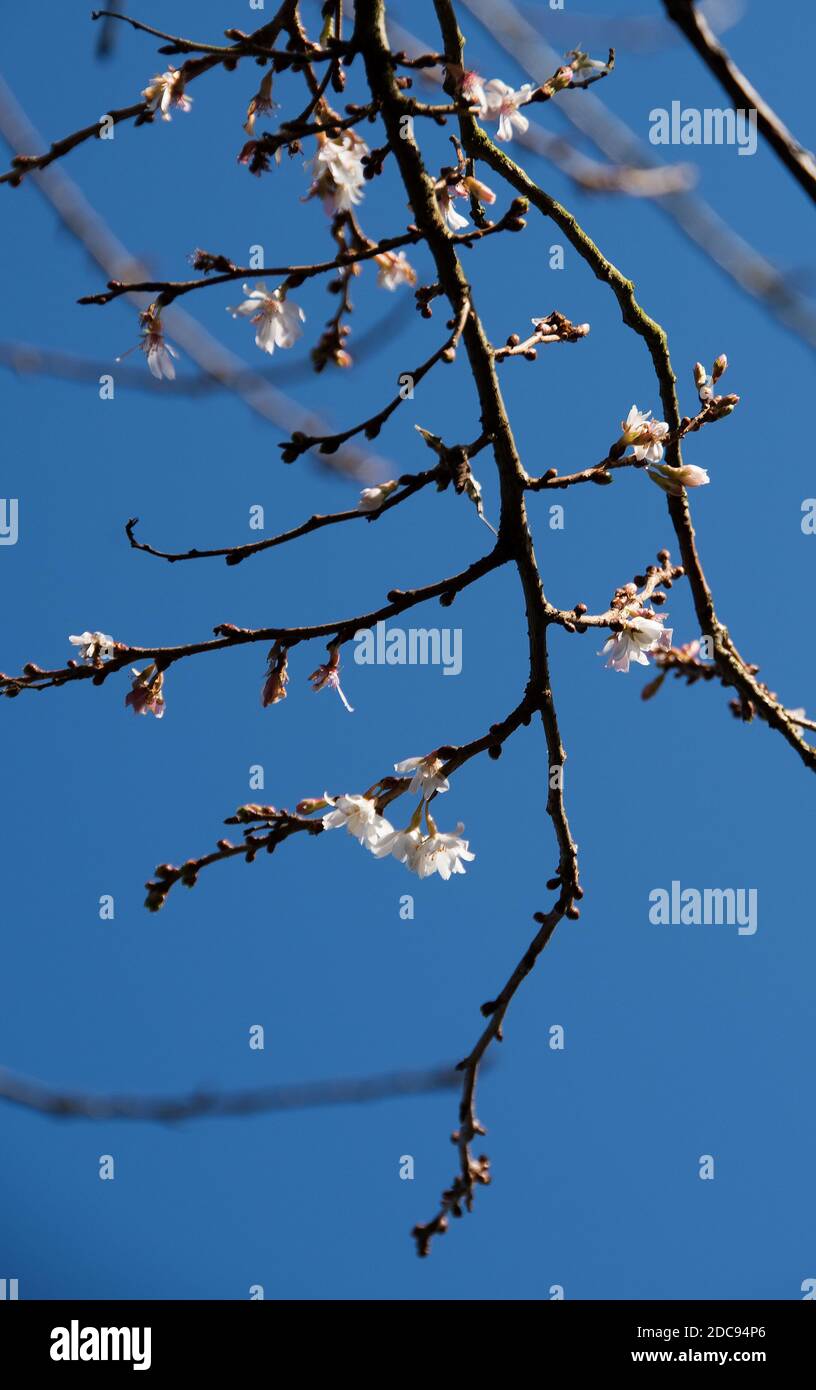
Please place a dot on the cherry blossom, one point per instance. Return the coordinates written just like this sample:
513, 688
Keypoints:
461, 188
470, 87
328, 677
339, 173
395, 270
426, 774
643, 633
146, 696
165, 91
157, 350
93, 647
360, 817
644, 434
402, 844
277, 320
503, 104
444, 198
442, 853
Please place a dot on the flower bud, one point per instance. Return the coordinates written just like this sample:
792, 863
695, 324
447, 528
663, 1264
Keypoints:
479, 190
673, 480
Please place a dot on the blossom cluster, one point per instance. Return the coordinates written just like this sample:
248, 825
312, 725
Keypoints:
423, 852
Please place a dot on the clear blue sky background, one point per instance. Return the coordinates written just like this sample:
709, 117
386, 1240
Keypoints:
679, 1041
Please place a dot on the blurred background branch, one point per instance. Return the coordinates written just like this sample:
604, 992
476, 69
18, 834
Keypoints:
34, 1095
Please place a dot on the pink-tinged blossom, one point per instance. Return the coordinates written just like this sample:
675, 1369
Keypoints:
328, 677
644, 434
372, 498
166, 90
394, 270
479, 190
469, 86
641, 634
146, 696
426, 772
445, 197
443, 853
360, 817
461, 188
503, 104
94, 647
673, 480
277, 320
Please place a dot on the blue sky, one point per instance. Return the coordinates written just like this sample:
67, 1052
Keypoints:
680, 1041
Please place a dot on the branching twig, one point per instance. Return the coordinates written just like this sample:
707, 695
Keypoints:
234, 554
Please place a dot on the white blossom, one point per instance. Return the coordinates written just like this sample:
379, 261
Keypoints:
641, 634
339, 173
93, 646
442, 853
426, 774
403, 844
159, 356
445, 197
167, 90
277, 320
503, 104
360, 817
644, 434
394, 270
153, 344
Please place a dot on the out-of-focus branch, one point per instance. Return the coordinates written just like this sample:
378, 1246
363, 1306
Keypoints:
796, 159
208, 1104
107, 30
31, 360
